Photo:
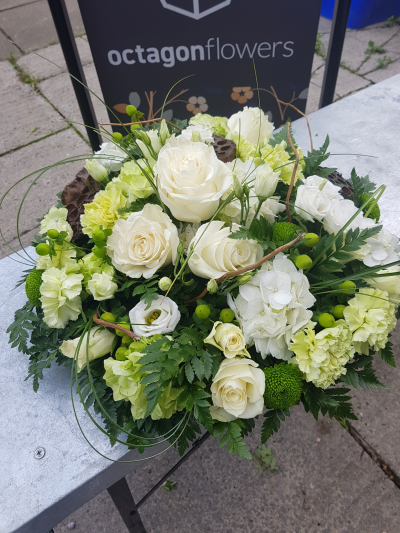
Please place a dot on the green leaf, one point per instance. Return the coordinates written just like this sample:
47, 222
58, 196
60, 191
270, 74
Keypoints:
198, 368
386, 354
189, 372
233, 437
207, 361
272, 423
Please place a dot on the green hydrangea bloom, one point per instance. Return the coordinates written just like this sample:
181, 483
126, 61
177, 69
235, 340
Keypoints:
322, 356
244, 149
218, 125
282, 231
278, 158
375, 212
90, 264
131, 182
32, 286
283, 386
370, 317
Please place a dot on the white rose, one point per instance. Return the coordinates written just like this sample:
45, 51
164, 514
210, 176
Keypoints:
265, 182
205, 134
381, 249
151, 150
238, 388
340, 213
217, 413
100, 343
215, 253
228, 338
191, 180
390, 284
314, 198
111, 156
97, 170
161, 317
270, 208
252, 124
102, 287
143, 243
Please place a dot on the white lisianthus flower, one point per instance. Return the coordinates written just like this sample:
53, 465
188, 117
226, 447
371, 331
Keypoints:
314, 198
152, 148
381, 249
205, 134
56, 219
272, 306
111, 156
390, 284
143, 243
100, 343
191, 180
228, 338
270, 209
238, 388
97, 170
161, 317
60, 292
102, 287
340, 213
265, 182
214, 253
252, 124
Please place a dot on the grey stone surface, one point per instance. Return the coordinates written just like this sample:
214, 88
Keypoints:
324, 25
379, 411
60, 92
318, 62
42, 69
363, 123
9, 4
347, 82
23, 110
383, 73
20, 163
314, 94
31, 25
7, 48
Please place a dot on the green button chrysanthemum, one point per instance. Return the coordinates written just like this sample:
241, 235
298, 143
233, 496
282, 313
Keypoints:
283, 386
282, 231
32, 286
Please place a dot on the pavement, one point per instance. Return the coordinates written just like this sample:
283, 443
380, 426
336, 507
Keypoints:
329, 479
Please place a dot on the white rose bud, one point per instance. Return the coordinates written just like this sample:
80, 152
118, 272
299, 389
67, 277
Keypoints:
150, 144
97, 171
238, 389
212, 286
266, 182
102, 287
100, 343
161, 317
229, 339
164, 133
164, 284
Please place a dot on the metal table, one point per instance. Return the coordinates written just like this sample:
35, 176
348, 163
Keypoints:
37, 494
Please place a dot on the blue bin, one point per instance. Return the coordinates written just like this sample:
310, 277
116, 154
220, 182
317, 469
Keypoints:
364, 12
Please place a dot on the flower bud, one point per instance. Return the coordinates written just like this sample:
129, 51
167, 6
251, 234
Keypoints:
196, 138
131, 110
237, 187
164, 284
265, 182
164, 132
97, 171
242, 280
142, 136
212, 286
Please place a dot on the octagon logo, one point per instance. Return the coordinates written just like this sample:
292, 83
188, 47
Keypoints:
196, 12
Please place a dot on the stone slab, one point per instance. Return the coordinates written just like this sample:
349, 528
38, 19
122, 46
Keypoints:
31, 25
346, 83
324, 25
9, 4
379, 411
23, 110
20, 163
383, 73
7, 48
322, 485
42, 69
318, 62
60, 93
314, 94
363, 123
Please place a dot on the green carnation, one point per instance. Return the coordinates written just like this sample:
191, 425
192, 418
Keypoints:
375, 212
244, 149
90, 264
32, 287
283, 231
280, 160
283, 386
218, 125
131, 182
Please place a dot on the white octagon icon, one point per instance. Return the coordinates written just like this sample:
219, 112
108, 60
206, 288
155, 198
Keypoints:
195, 13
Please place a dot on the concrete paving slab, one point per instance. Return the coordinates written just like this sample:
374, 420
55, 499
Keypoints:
322, 485
24, 115
379, 411
60, 92
347, 82
31, 25
9, 4
324, 25
314, 94
318, 62
7, 48
20, 163
373, 63
384, 73
42, 69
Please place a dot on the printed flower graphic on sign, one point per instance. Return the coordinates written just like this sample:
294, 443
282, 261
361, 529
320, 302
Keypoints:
241, 94
197, 104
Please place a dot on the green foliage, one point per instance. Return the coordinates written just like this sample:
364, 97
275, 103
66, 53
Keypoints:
283, 386
373, 49
360, 185
280, 136
315, 159
375, 212
331, 401
272, 423
231, 434
169, 485
24, 320
260, 230
264, 459
360, 374
319, 46
387, 355
136, 206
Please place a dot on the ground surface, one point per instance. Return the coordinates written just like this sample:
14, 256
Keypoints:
326, 480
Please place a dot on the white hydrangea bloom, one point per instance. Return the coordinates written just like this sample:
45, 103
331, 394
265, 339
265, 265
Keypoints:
381, 249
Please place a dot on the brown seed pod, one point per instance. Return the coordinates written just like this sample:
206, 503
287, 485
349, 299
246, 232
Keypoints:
347, 189
224, 148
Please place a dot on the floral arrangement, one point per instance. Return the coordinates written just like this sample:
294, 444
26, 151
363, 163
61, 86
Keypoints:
207, 275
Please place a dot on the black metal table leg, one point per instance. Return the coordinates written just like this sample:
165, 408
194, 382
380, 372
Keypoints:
124, 502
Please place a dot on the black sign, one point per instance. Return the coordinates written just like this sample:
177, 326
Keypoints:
141, 48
